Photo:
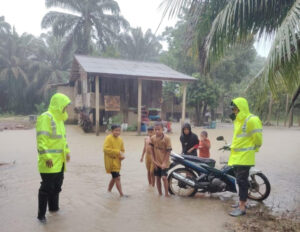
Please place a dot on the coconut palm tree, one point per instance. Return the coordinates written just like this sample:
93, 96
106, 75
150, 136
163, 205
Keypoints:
15, 53
54, 60
84, 21
239, 19
4, 26
134, 45
49, 65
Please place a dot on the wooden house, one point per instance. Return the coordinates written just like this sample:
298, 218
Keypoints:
112, 86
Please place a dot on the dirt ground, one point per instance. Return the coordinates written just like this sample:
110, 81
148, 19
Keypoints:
16, 123
86, 206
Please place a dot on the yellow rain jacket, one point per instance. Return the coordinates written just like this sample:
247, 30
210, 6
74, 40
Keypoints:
247, 135
51, 135
112, 148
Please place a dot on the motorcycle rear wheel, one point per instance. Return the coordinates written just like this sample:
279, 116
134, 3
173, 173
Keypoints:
179, 188
259, 188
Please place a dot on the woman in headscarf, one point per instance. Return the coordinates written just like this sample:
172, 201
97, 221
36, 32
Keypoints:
188, 140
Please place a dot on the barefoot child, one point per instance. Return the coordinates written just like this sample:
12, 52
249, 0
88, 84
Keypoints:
113, 149
148, 160
161, 148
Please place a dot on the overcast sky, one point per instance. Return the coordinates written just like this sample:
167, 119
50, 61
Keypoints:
26, 16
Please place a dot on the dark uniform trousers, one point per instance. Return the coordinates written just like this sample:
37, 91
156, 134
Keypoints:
242, 174
49, 192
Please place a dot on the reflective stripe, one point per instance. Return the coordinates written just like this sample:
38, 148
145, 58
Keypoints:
249, 134
56, 136
43, 133
245, 149
244, 130
50, 151
245, 123
53, 126
48, 134
255, 131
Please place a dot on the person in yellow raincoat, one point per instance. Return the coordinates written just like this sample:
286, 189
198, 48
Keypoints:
53, 152
247, 139
113, 149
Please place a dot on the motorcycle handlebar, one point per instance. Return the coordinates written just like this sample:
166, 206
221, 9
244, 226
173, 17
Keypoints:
225, 148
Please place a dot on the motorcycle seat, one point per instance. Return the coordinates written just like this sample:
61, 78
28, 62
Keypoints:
208, 161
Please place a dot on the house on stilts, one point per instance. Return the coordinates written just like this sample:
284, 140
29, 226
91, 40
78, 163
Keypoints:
107, 87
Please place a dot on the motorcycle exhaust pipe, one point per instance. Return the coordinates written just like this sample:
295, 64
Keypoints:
184, 179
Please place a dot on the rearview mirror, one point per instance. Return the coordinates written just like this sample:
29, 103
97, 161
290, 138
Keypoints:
220, 138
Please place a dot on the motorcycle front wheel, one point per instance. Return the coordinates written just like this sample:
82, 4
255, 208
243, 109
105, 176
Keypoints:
259, 188
179, 188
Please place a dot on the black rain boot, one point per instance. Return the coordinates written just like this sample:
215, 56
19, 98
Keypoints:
53, 202
43, 198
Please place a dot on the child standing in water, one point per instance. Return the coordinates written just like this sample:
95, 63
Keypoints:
204, 145
161, 148
148, 160
113, 149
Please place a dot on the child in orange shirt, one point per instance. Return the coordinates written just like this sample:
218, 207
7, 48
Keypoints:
204, 145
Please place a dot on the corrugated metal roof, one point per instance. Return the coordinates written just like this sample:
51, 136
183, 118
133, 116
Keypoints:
124, 68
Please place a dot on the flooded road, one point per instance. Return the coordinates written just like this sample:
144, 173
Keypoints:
86, 205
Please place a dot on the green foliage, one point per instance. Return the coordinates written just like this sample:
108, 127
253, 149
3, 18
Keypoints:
178, 55
40, 108
202, 90
132, 128
201, 95
241, 20
117, 119
238, 22
233, 68
89, 19
221, 83
136, 45
28, 65
171, 92
110, 52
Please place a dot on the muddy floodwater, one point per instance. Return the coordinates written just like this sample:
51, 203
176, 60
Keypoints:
86, 205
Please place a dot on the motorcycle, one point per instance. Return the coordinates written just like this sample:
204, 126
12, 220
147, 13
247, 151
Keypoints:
85, 122
200, 175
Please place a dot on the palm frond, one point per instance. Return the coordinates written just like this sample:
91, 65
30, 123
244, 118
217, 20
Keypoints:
239, 19
4, 26
174, 7
106, 5
72, 5
284, 57
60, 22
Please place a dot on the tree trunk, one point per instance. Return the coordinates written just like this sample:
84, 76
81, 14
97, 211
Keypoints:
291, 117
286, 109
269, 117
198, 115
277, 116
172, 111
213, 114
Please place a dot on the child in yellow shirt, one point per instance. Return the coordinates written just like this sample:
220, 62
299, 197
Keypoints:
113, 149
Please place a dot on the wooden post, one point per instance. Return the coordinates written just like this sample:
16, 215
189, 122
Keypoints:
97, 104
139, 106
183, 103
